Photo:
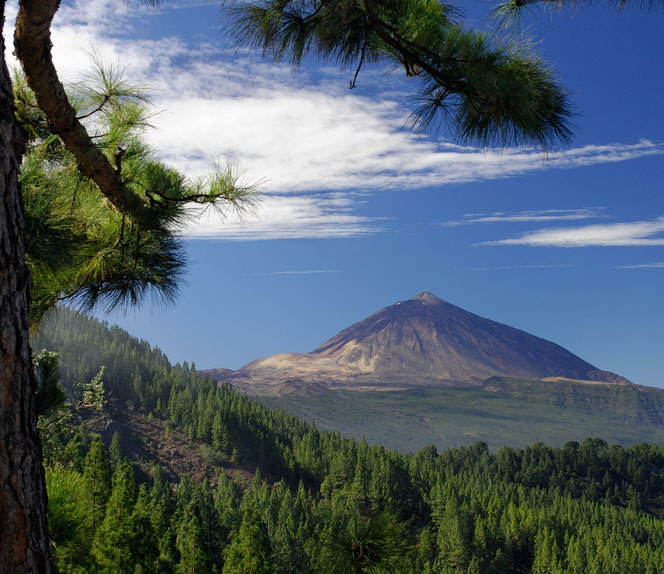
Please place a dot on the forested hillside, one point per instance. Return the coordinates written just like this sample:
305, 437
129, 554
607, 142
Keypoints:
318, 501
499, 412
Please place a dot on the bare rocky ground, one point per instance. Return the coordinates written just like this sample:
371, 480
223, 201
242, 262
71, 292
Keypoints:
148, 441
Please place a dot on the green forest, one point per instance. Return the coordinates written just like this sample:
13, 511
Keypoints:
316, 501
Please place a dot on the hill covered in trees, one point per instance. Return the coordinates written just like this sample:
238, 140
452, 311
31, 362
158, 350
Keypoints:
315, 501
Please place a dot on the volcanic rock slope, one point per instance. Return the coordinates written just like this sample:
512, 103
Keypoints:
422, 341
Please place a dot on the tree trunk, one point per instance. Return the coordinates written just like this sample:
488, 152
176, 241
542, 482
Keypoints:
23, 536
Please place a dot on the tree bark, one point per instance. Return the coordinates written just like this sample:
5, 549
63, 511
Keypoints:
32, 41
24, 543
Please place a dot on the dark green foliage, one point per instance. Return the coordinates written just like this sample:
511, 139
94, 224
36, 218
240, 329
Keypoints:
50, 396
115, 451
377, 544
484, 90
190, 542
332, 504
80, 248
70, 518
249, 552
97, 472
114, 547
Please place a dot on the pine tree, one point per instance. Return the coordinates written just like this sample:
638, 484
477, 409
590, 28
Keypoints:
130, 245
143, 541
69, 518
115, 451
97, 470
190, 542
249, 551
360, 485
210, 527
576, 559
377, 544
487, 91
114, 540
227, 505
453, 540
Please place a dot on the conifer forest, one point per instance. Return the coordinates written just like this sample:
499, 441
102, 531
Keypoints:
310, 501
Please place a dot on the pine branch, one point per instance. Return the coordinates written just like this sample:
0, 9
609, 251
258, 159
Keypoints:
501, 93
32, 40
508, 13
98, 109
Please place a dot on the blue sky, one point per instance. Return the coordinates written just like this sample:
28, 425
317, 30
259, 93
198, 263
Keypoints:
358, 214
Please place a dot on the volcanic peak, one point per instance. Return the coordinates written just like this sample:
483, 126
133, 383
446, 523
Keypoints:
427, 297
424, 340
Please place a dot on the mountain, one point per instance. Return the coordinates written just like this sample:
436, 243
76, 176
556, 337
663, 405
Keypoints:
422, 341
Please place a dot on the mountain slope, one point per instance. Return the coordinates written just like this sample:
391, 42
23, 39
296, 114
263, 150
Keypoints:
514, 412
424, 340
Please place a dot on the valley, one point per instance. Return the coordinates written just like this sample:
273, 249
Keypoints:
410, 419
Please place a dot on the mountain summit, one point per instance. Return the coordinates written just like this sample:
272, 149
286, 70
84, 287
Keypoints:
423, 341
427, 297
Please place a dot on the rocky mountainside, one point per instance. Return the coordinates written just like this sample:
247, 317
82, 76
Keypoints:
422, 341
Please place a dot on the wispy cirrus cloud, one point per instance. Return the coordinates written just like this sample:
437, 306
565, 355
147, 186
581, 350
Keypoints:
656, 265
514, 267
306, 135
633, 234
528, 216
306, 272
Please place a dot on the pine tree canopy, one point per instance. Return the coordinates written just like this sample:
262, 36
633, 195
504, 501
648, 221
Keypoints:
508, 12
482, 89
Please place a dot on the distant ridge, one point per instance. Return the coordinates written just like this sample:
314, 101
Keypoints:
421, 341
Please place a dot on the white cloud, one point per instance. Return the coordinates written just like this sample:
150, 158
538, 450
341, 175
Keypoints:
638, 233
657, 265
290, 217
509, 267
303, 135
309, 272
528, 216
